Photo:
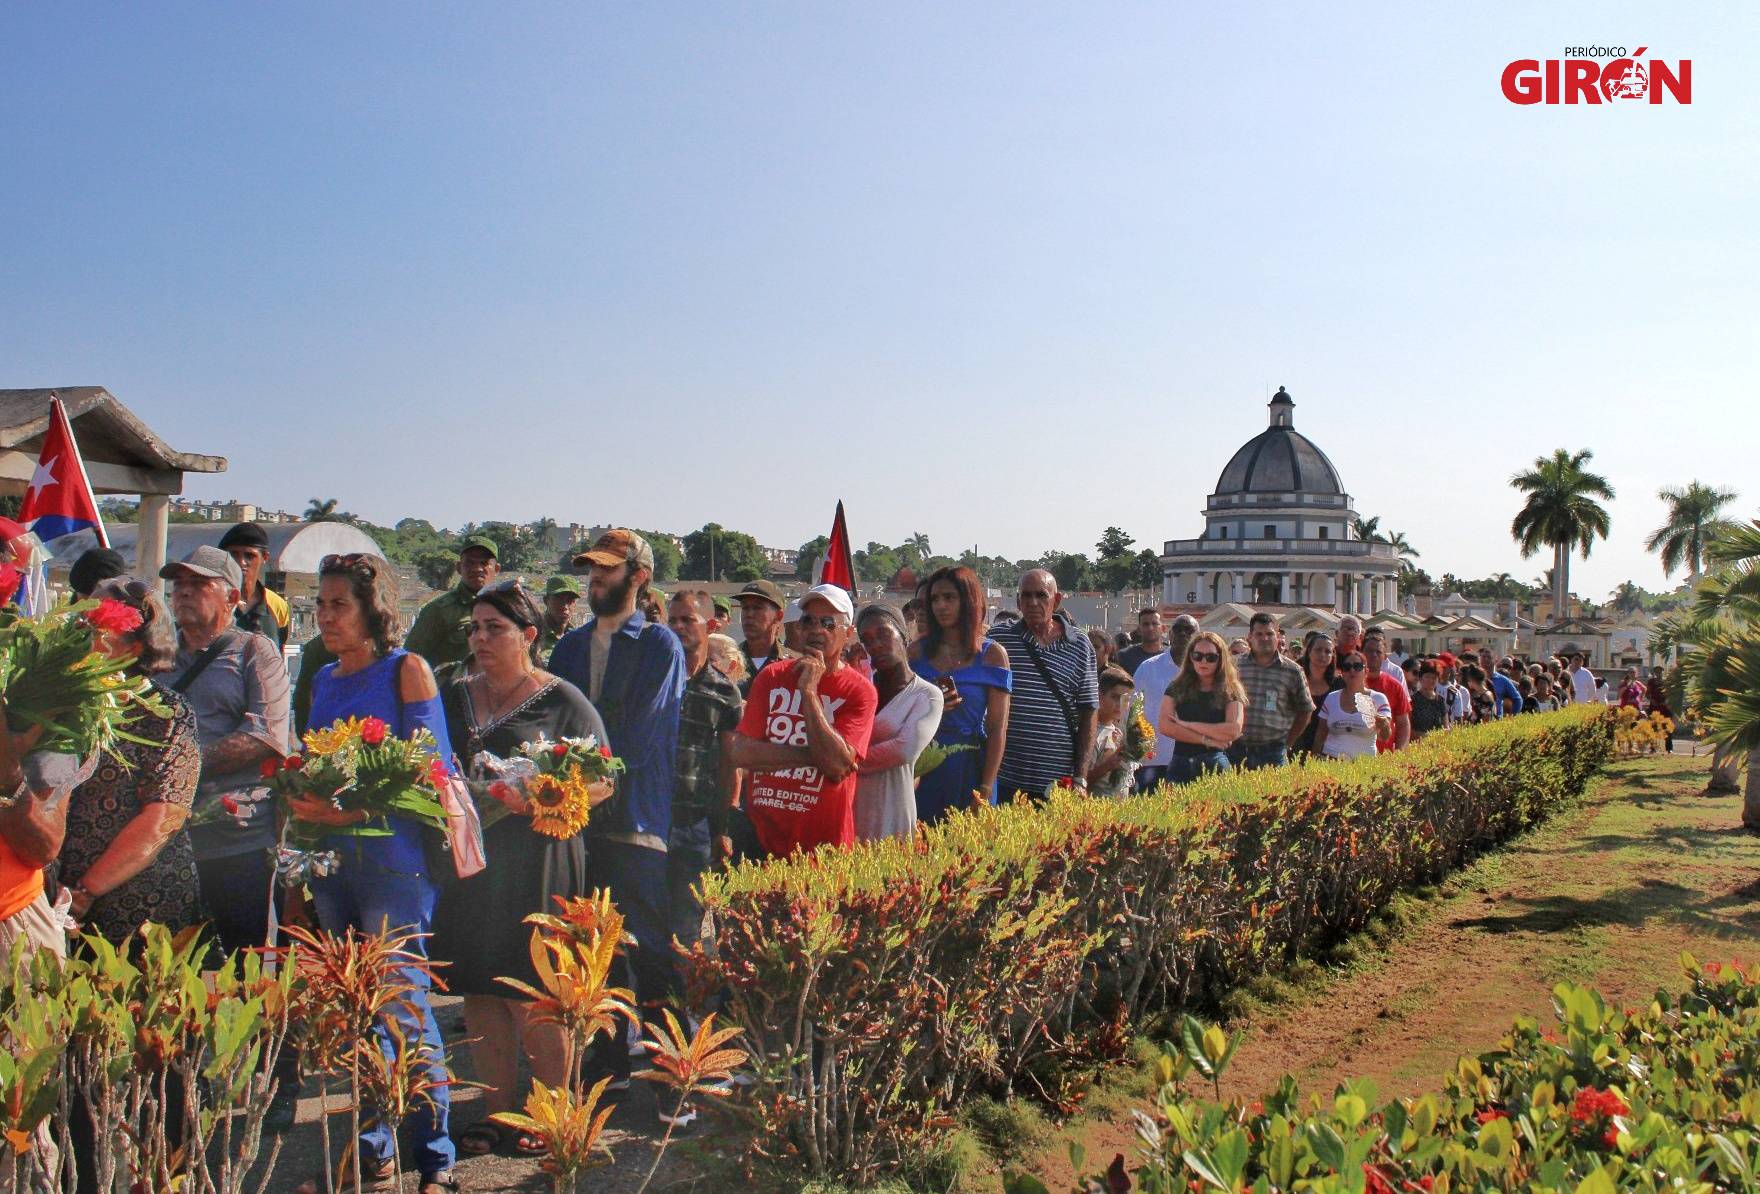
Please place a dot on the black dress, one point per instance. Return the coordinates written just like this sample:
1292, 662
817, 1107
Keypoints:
478, 925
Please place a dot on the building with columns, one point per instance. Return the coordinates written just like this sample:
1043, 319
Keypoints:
1281, 530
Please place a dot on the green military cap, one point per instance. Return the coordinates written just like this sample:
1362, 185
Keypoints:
482, 541
562, 584
723, 606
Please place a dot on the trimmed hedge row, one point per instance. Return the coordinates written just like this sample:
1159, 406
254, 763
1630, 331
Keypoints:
1664, 1097
1015, 947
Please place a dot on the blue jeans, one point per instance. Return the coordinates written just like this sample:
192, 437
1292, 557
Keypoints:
637, 877
1252, 758
1186, 768
365, 895
689, 854
1149, 778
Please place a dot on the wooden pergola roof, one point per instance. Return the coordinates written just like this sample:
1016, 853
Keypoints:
122, 454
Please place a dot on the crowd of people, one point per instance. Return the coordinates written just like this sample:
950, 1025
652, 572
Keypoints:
807, 732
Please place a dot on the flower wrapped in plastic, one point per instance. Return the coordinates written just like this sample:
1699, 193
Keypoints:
1139, 735
52, 676
555, 783
936, 754
359, 766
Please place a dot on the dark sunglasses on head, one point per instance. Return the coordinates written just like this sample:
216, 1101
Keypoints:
341, 560
1204, 657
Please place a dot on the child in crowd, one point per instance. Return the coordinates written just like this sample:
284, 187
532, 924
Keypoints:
1109, 772
1545, 700
1429, 706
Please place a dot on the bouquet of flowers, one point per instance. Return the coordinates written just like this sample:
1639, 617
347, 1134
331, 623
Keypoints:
553, 779
1139, 735
934, 755
51, 676
358, 765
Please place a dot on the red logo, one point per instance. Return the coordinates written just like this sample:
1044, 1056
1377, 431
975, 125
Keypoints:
1580, 77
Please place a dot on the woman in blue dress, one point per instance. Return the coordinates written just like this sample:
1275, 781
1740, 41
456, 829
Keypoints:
381, 883
972, 672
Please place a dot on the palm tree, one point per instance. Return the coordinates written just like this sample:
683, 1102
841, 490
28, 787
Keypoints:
1368, 529
1628, 598
1561, 513
1398, 541
321, 510
919, 543
1719, 638
1693, 520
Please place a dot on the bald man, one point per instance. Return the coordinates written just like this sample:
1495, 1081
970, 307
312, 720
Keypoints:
1056, 693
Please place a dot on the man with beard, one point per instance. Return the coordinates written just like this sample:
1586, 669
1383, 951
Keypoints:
633, 671
804, 733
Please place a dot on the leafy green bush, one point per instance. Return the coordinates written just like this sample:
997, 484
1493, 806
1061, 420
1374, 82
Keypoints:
1013, 948
1665, 1097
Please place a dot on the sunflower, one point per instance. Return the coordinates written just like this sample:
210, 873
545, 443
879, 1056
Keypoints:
560, 804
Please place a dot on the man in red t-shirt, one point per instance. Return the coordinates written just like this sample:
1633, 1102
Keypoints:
1399, 702
804, 732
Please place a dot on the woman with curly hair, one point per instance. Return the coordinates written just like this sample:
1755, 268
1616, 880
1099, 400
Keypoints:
1204, 709
381, 883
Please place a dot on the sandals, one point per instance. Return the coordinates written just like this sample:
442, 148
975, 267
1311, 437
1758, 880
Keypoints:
486, 1136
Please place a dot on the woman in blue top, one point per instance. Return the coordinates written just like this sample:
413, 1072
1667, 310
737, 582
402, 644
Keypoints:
382, 883
973, 675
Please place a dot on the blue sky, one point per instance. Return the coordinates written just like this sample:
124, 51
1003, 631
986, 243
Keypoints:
1005, 274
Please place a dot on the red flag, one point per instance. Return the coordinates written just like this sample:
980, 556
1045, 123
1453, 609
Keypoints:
59, 500
835, 566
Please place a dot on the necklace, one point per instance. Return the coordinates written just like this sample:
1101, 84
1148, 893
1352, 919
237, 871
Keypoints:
500, 707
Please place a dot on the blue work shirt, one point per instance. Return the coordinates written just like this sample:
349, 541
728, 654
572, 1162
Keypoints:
639, 702
1502, 689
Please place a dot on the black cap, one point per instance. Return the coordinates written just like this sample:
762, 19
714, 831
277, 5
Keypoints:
98, 564
245, 534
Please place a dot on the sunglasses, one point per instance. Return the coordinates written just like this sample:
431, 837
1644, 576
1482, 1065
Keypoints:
341, 560
822, 621
1353, 667
1204, 657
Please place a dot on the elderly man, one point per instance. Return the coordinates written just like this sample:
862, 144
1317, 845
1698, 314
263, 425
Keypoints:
237, 686
441, 632
1056, 693
1151, 681
804, 733
1399, 701
260, 609
561, 594
1279, 704
1150, 641
706, 777
634, 673
760, 617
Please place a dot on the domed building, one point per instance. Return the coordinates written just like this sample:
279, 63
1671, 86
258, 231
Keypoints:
1281, 530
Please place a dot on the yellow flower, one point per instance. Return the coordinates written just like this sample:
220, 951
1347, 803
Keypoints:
336, 738
560, 805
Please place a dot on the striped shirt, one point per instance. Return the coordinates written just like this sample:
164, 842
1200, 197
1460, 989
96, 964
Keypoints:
1040, 749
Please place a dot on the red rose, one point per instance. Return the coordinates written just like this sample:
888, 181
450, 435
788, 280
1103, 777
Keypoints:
373, 731
269, 768
559, 751
113, 616
295, 762
230, 804
605, 751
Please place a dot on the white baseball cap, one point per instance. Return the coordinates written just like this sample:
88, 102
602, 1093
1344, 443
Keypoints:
792, 613
835, 596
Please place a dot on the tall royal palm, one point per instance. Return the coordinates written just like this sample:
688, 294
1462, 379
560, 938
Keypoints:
1694, 518
1561, 513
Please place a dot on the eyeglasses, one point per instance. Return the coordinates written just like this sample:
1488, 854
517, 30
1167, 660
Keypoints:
822, 621
1204, 657
1353, 667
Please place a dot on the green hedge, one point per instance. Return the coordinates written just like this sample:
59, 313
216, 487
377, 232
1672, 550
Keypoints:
1014, 948
1664, 1097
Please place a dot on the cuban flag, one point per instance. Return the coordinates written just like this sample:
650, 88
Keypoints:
59, 500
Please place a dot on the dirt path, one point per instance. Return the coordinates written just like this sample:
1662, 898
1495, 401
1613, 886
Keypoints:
1609, 894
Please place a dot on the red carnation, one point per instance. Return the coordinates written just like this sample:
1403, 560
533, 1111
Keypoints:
605, 751
437, 772
294, 762
230, 804
269, 768
373, 731
116, 617
559, 751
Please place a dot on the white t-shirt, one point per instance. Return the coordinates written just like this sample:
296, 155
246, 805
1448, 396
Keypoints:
1152, 679
1583, 686
1350, 730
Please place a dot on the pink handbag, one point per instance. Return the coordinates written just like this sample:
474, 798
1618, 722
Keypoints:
464, 829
